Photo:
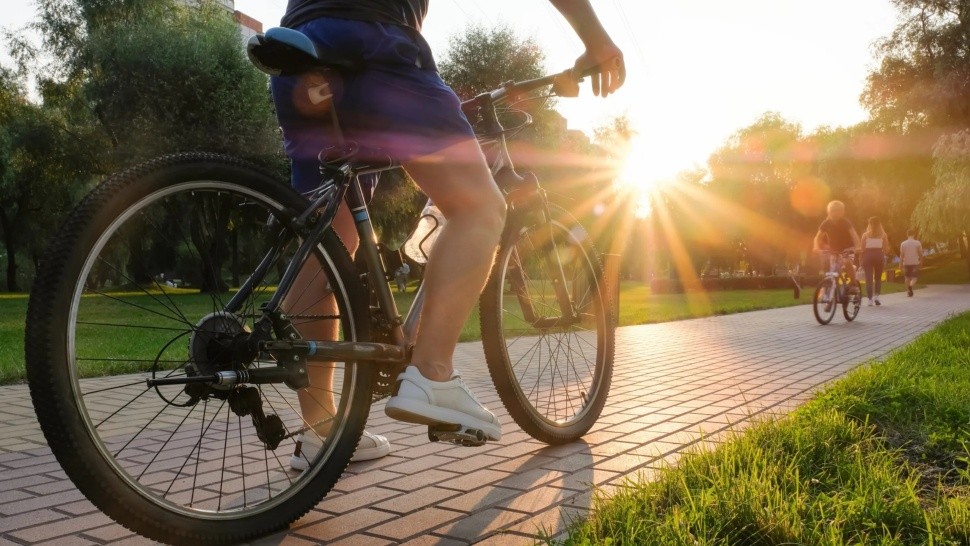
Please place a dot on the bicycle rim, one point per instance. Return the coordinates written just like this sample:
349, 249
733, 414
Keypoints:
196, 456
853, 301
553, 378
825, 310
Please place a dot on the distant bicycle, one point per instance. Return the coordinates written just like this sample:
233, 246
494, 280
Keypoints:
839, 287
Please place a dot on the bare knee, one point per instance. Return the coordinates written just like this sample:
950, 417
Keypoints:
487, 211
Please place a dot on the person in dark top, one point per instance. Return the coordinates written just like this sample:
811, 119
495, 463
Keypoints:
407, 13
398, 106
836, 233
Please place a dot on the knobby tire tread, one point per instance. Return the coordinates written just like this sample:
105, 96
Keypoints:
490, 316
59, 416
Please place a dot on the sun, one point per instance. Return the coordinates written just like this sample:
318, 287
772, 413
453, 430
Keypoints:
644, 174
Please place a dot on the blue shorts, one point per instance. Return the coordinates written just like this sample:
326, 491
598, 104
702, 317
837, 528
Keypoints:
911, 271
397, 106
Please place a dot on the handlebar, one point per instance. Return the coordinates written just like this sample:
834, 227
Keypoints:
565, 84
846, 253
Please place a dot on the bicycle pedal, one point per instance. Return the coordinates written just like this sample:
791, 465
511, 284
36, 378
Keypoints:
457, 434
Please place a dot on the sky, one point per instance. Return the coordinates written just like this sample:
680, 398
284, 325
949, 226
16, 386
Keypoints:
698, 70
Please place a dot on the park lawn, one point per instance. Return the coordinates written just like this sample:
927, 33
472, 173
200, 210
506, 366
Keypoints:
637, 306
880, 457
950, 273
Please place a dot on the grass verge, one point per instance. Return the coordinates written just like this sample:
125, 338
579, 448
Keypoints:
880, 457
637, 306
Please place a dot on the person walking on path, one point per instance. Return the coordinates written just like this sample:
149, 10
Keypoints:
875, 248
401, 277
911, 258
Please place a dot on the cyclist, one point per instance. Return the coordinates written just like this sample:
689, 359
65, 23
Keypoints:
836, 234
398, 106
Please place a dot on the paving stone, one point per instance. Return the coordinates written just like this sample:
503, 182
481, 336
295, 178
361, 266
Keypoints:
480, 524
61, 528
416, 500
344, 525
415, 524
676, 386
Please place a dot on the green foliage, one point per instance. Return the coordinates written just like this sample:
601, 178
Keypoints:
40, 158
879, 458
121, 81
945, 209
924, 75
480, 59
179, 81
395, 208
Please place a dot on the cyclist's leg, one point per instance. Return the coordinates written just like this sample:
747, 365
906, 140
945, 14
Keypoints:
311, 295
459, 182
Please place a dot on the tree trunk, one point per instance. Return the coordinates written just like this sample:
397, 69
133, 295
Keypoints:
211, 245
10, 246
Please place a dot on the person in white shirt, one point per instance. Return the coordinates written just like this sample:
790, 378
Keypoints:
911, 257
875, 245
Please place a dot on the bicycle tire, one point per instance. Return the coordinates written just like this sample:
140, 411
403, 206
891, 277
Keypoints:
822, 314
853, 301
497, 322
57, 394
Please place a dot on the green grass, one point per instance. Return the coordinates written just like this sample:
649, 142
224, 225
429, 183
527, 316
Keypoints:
948, 273
637, 306
13, 310
880, 457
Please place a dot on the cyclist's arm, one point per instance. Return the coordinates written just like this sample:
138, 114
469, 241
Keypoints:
600, 50
855, 239
817, 243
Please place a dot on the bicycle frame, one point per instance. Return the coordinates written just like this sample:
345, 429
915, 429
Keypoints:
842, 274
342, 184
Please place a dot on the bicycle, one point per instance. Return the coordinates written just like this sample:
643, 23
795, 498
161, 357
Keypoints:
205, 383
839, 287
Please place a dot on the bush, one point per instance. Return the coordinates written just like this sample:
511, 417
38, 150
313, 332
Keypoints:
674, 286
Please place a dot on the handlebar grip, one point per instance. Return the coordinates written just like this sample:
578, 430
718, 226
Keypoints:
615, 62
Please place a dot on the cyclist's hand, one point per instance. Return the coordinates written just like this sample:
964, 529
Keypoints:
607, 60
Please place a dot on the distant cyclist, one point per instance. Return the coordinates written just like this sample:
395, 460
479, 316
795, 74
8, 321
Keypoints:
836, 235
398, 106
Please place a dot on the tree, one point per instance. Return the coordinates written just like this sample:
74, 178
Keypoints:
39, 159
479, 59
134, 79
756, 171
944, 212
923, 79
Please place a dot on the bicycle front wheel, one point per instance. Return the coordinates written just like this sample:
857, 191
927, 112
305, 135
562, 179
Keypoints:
136, 285
853, 300
551, 367
825, 301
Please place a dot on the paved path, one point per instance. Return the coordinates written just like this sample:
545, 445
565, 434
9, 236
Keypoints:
673, 383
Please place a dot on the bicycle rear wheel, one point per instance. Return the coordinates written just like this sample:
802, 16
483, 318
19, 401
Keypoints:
173, 463
825, 301
552, 372
853, 300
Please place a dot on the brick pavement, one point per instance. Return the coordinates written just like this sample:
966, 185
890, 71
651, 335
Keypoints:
675, 385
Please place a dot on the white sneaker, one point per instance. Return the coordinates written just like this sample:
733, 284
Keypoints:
371, 447
425, 402
877, 301
870, 302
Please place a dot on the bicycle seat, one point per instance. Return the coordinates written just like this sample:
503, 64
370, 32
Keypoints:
287, 52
